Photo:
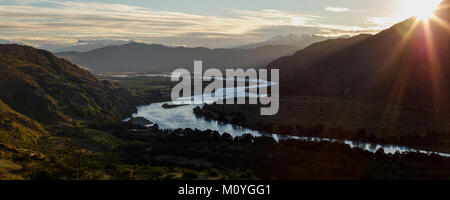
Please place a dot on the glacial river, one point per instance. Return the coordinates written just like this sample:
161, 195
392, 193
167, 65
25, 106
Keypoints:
184, 117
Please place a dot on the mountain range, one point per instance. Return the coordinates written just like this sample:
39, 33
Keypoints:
139, 57
301, 41
8, 42
88, 45
82, 45
408, 63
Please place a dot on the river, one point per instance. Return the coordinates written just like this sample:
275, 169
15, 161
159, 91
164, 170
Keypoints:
184, 117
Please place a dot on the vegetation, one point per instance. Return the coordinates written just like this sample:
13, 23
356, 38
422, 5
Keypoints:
18, 130
266, 159
57, 121
48, 89
83, 153
141, 90
53, 116
340, 119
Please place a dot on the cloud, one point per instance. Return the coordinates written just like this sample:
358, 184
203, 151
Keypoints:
77, 17
51, 23
383, 22
336, 9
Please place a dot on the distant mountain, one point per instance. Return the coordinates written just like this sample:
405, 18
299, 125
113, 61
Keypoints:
408, 63
5, 41
138, 57
289, 40
88, 45
8, 42
48, 89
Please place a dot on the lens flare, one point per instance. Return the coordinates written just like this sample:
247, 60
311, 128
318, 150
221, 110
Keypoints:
421, 9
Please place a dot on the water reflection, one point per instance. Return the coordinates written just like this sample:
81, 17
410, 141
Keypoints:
184, 117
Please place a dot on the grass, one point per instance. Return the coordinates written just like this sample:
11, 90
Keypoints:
8, 170
143, 90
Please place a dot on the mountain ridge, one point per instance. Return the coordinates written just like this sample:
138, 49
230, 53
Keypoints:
392, 66
49, 89
88, 45
301, 41
140, 57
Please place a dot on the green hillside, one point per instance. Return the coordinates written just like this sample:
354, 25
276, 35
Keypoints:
17, 130
48, 89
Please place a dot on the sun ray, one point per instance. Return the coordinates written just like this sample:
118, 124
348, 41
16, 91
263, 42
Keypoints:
390, 114
435, 67
442, 23
438, 88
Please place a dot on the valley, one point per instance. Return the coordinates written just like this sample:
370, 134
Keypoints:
361, 107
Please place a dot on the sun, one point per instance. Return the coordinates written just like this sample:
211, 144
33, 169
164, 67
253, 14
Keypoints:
421, 9
424, 15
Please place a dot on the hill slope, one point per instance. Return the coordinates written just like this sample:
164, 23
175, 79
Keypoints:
48, 89
17, 129
138, 57
408, 63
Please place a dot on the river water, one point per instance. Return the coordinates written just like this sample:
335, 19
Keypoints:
184, 117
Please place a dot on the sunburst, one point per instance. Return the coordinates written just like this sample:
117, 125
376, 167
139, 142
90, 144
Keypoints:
421, 9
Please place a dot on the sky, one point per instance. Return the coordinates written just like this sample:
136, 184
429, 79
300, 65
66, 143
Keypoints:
208, 23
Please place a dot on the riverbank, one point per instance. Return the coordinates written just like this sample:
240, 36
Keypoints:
339, 119
264, 158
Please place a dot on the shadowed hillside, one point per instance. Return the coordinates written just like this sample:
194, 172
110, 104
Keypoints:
48, 89
405, 64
